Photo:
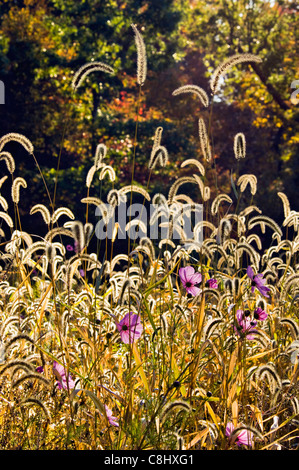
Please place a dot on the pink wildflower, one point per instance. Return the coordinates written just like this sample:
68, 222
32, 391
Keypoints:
257, 282
243, 437
189, 280
130, 328
212, 283
62, 380
260, 314
245, 325
112, 419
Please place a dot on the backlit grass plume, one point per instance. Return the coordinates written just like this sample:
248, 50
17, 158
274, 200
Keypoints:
20, 138
239, 146
9, 160
204, 140
224, 67
200, 92
141, 57
86, 69
15, 189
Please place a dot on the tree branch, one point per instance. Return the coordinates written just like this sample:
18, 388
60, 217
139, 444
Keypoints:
273, 92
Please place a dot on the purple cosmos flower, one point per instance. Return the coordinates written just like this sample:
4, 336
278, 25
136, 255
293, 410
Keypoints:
244, 437
82, 272
130, 328
260, 314
245, 325
189, 280
112, 419
257, 282
62, 380
69, 248
212, 283
40, 369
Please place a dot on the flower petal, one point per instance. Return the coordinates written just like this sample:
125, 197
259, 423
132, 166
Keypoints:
244, 437
193, 290
240, 315
196, 278
186, 272
250, 272
125, 336
229, 429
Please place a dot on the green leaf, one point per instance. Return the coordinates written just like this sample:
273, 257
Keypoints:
98, 404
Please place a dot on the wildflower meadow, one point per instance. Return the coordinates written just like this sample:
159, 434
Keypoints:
185, 339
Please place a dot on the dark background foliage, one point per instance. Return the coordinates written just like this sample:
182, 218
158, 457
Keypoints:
42, 44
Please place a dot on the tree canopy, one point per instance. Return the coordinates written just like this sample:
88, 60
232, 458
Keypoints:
43, 43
